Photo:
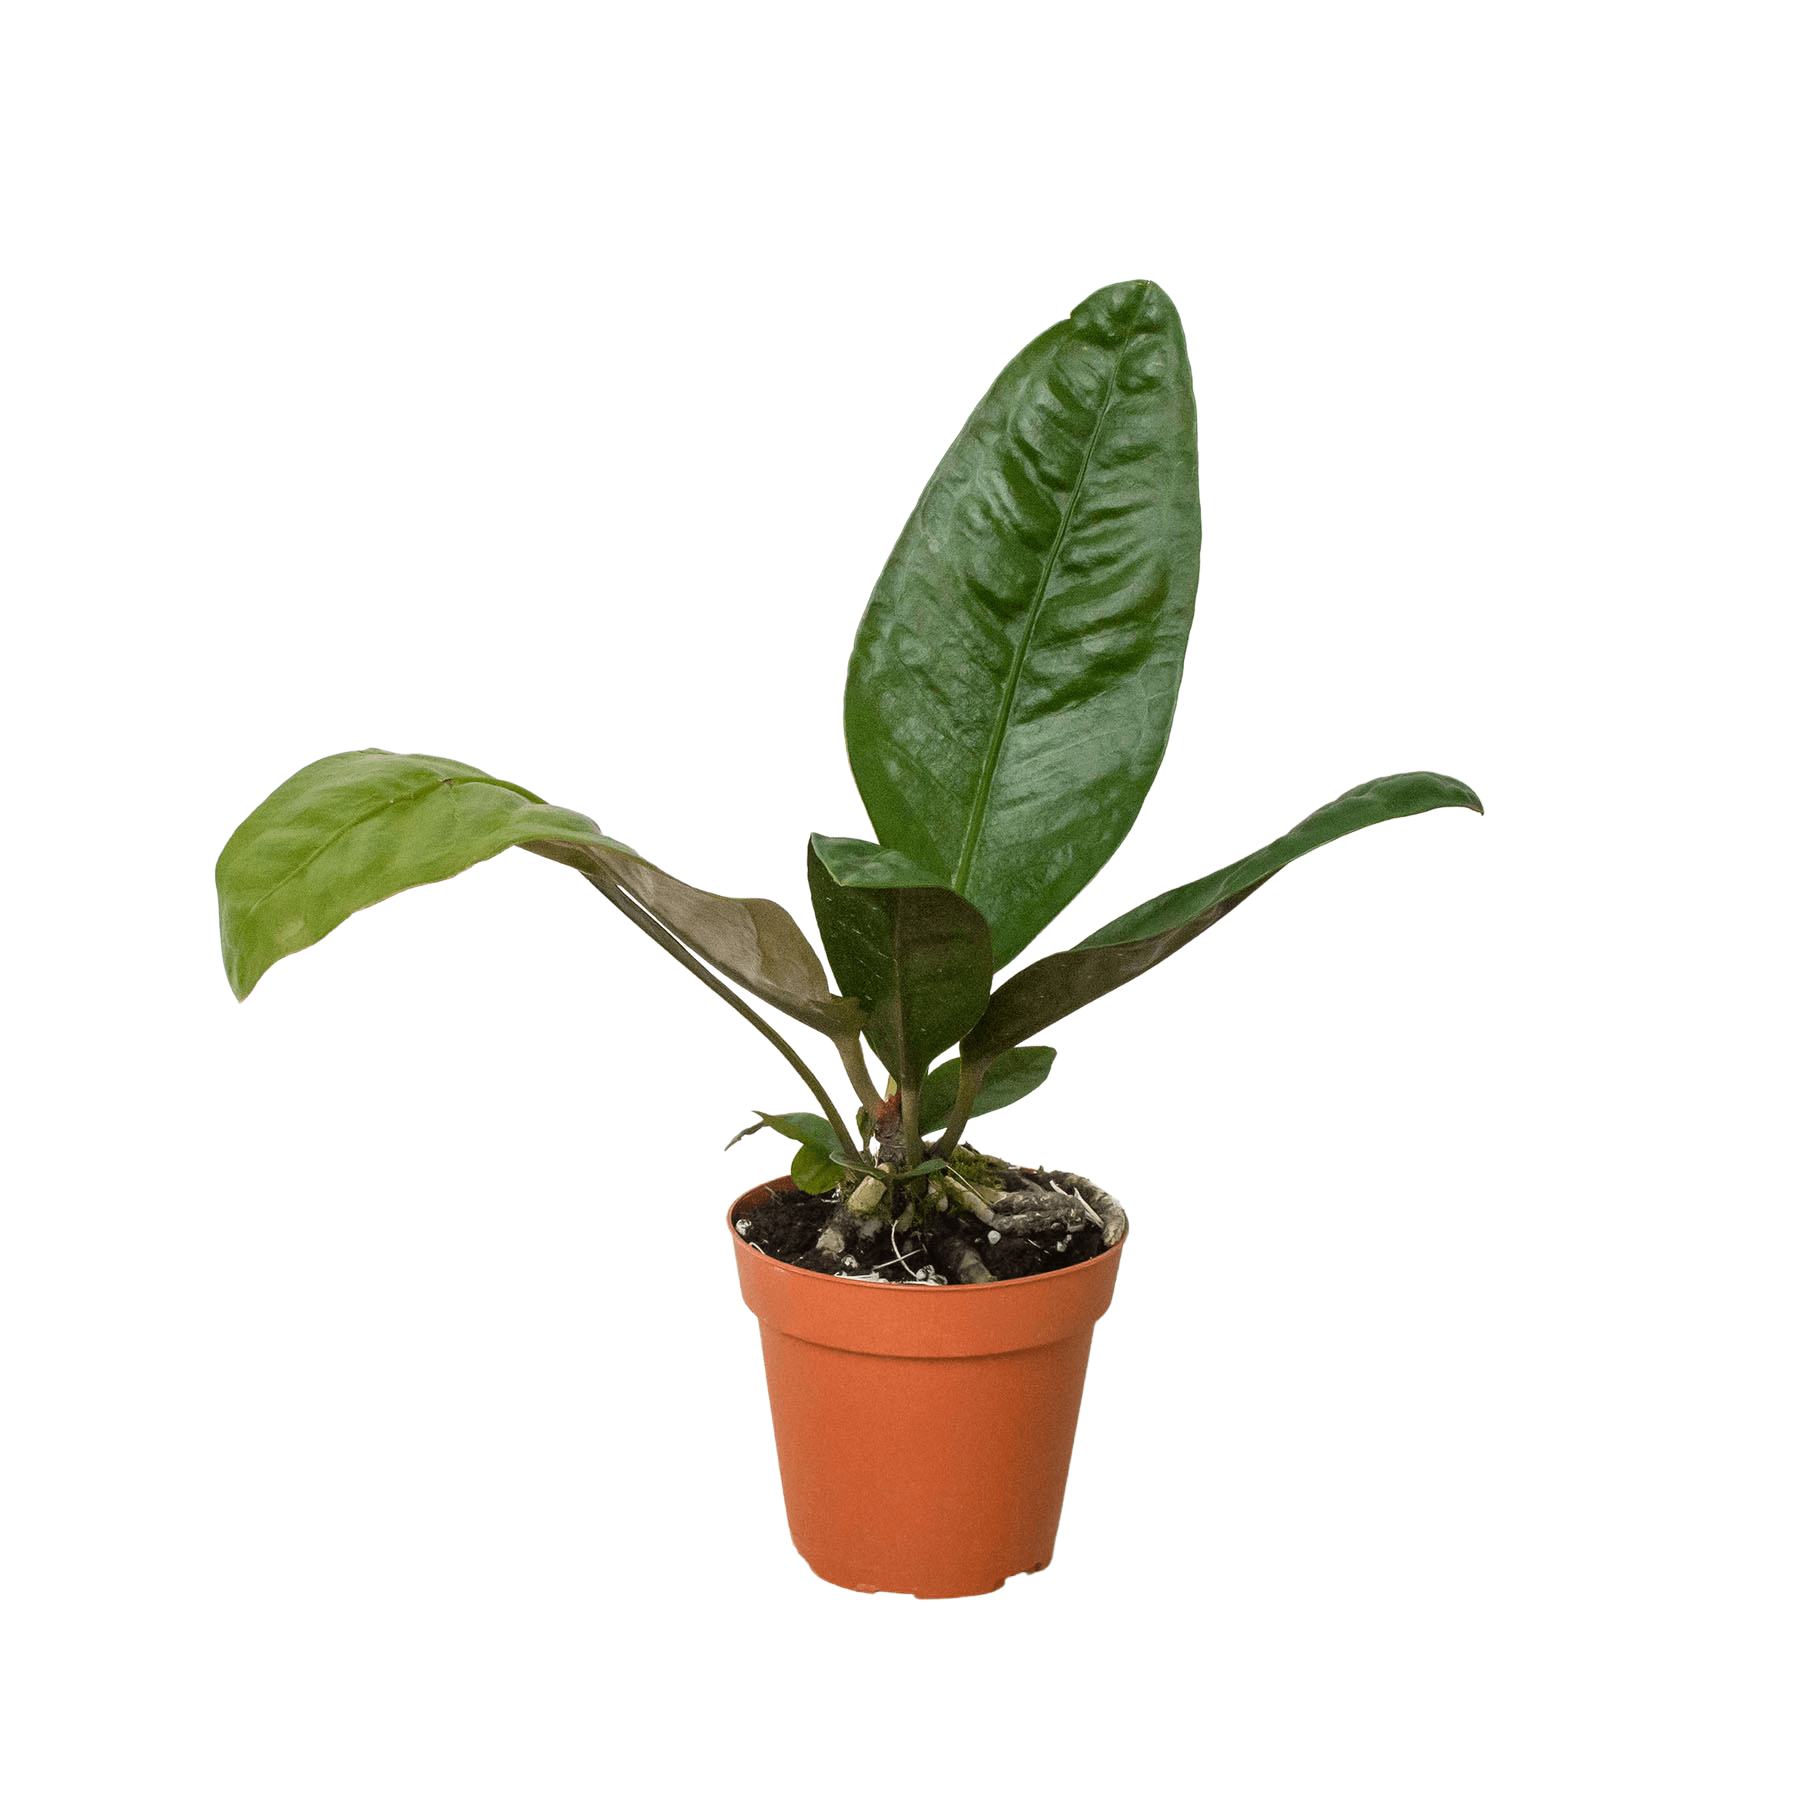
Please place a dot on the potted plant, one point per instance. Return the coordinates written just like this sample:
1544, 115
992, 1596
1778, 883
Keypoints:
925, 1310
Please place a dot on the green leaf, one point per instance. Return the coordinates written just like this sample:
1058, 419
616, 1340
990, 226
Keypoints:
813, 1171
915, 955
755, 942
803, 1127
1015, 674
1015, 1073
356, 828
1138, 940
353, 829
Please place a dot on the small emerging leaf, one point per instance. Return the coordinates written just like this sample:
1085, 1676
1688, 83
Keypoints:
1014, 1074
803, 1127
813, 1170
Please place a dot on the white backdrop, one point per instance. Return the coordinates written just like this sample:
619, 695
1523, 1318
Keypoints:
544, 386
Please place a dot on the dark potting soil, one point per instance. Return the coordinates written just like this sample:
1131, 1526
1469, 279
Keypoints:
787, 1227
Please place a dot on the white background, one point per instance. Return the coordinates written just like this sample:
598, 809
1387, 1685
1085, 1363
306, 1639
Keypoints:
544, 386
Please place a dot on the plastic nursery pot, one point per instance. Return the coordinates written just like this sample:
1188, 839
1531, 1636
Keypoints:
923, 1432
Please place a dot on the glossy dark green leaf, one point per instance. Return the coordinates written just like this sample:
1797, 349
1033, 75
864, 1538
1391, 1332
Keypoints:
1015, 673
356, 828
1138, 940
802, 1127
755, 942
911, 952
1015, 1073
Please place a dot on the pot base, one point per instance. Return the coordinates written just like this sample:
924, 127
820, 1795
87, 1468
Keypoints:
924, 1433
824, 1573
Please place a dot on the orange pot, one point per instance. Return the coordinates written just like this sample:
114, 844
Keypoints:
923, 1432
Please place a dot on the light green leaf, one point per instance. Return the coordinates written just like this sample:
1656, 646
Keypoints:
356, 828
363, 826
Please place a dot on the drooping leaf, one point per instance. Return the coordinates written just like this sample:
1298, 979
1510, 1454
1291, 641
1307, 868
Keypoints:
365, 825
359, 827
911, 952
1014, 1074
1015, 673
802, 1127
1049, 990
813, 1170
755, 942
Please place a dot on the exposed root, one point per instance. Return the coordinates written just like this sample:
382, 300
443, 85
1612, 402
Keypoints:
1096, 1200
964, 1265
869, 1193
836, 1236
1023, 1224
973, 1197
1006, 1222
1041, 1199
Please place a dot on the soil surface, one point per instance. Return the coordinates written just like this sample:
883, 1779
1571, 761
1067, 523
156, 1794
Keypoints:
787, 1227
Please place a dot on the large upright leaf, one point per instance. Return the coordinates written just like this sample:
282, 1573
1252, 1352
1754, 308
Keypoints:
353, 829
356, 828
1138, 940
912, 952
1015, 673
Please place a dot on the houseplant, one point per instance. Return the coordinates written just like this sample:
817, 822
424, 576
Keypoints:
1009, 699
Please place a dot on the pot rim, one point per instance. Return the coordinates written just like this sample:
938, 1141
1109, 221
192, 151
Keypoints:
785, 1184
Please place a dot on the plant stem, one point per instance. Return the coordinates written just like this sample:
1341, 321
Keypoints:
968, 1091
646, 924
868, 1095
909, 1125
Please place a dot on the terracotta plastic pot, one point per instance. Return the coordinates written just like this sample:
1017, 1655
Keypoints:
923, 1432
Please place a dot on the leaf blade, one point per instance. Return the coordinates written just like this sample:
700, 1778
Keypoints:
813, 1170
756, 943
356, 828
1014, 1074
914, 955
1015, 672
802, 1127
1137, 941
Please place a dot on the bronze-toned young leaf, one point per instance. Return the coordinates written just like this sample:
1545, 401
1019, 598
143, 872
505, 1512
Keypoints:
1015, 673
1014, 1074
1138, 940
356, 828
813, 1170
755, 942
914, 954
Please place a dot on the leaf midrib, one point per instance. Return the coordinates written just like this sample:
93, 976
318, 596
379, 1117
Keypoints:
990, 761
